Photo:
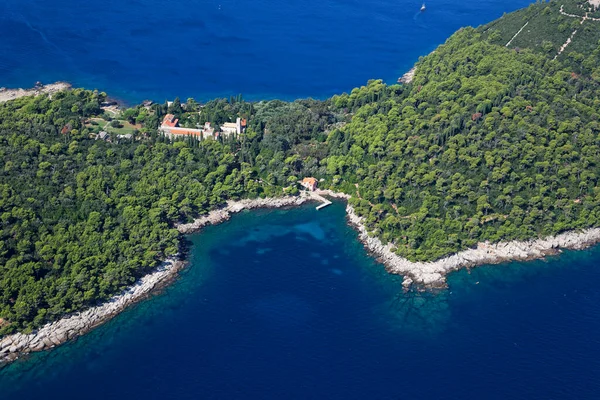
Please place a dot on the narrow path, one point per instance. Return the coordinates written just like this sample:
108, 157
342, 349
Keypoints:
358, 195
564, 46
583, 17
570, 38
111, 111
513, 38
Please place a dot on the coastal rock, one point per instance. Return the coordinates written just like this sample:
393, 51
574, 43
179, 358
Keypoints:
58, 332
408, 76
11, 94
38, 346
232, 207
433, 274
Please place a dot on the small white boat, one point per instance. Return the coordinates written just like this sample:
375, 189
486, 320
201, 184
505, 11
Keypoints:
423, 8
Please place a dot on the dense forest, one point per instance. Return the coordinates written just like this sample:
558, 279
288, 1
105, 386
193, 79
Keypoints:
488, 142
83, 218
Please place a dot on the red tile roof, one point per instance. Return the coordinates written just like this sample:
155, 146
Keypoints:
170, 121
310, 183
185, 131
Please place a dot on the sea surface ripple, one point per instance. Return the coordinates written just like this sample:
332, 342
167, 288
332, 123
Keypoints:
138, 49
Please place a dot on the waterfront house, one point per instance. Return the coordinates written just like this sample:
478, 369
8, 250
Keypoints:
309, 183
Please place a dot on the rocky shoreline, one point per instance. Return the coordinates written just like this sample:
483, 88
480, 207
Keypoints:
11, 94
408, 76
429, 274
223, 214
74, 325
433, 274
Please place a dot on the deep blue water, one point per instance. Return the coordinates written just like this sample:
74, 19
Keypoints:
286, 304
137, 49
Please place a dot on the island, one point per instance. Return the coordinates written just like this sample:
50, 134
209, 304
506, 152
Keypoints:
488, 153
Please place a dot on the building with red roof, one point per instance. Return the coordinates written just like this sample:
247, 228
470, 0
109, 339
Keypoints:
170, 121
309, 183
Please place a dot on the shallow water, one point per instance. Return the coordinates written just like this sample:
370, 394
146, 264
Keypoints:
137, 49
287, 304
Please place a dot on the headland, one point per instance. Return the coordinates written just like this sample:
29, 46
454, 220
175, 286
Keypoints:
39, 88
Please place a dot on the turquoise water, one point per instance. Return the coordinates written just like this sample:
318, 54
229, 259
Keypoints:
137, 49
287, 304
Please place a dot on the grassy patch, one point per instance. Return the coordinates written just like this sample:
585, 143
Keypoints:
125, 129
98, 124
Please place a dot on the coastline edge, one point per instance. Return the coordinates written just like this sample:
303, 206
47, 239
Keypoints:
429, 274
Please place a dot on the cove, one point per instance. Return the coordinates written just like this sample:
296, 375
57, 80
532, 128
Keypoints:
264, 49
286, 303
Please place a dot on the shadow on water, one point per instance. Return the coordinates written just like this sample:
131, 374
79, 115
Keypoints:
420, 311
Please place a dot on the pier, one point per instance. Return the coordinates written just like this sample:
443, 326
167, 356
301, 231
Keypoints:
323, 200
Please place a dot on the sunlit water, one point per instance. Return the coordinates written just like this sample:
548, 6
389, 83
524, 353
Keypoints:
137, 49
287, 304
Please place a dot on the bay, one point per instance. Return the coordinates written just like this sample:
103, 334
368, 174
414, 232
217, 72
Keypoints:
287, 304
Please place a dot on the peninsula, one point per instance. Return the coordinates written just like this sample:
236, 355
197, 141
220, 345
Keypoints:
488, 153
39, 88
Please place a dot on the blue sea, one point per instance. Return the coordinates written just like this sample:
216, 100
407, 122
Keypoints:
263, 49
286, 304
